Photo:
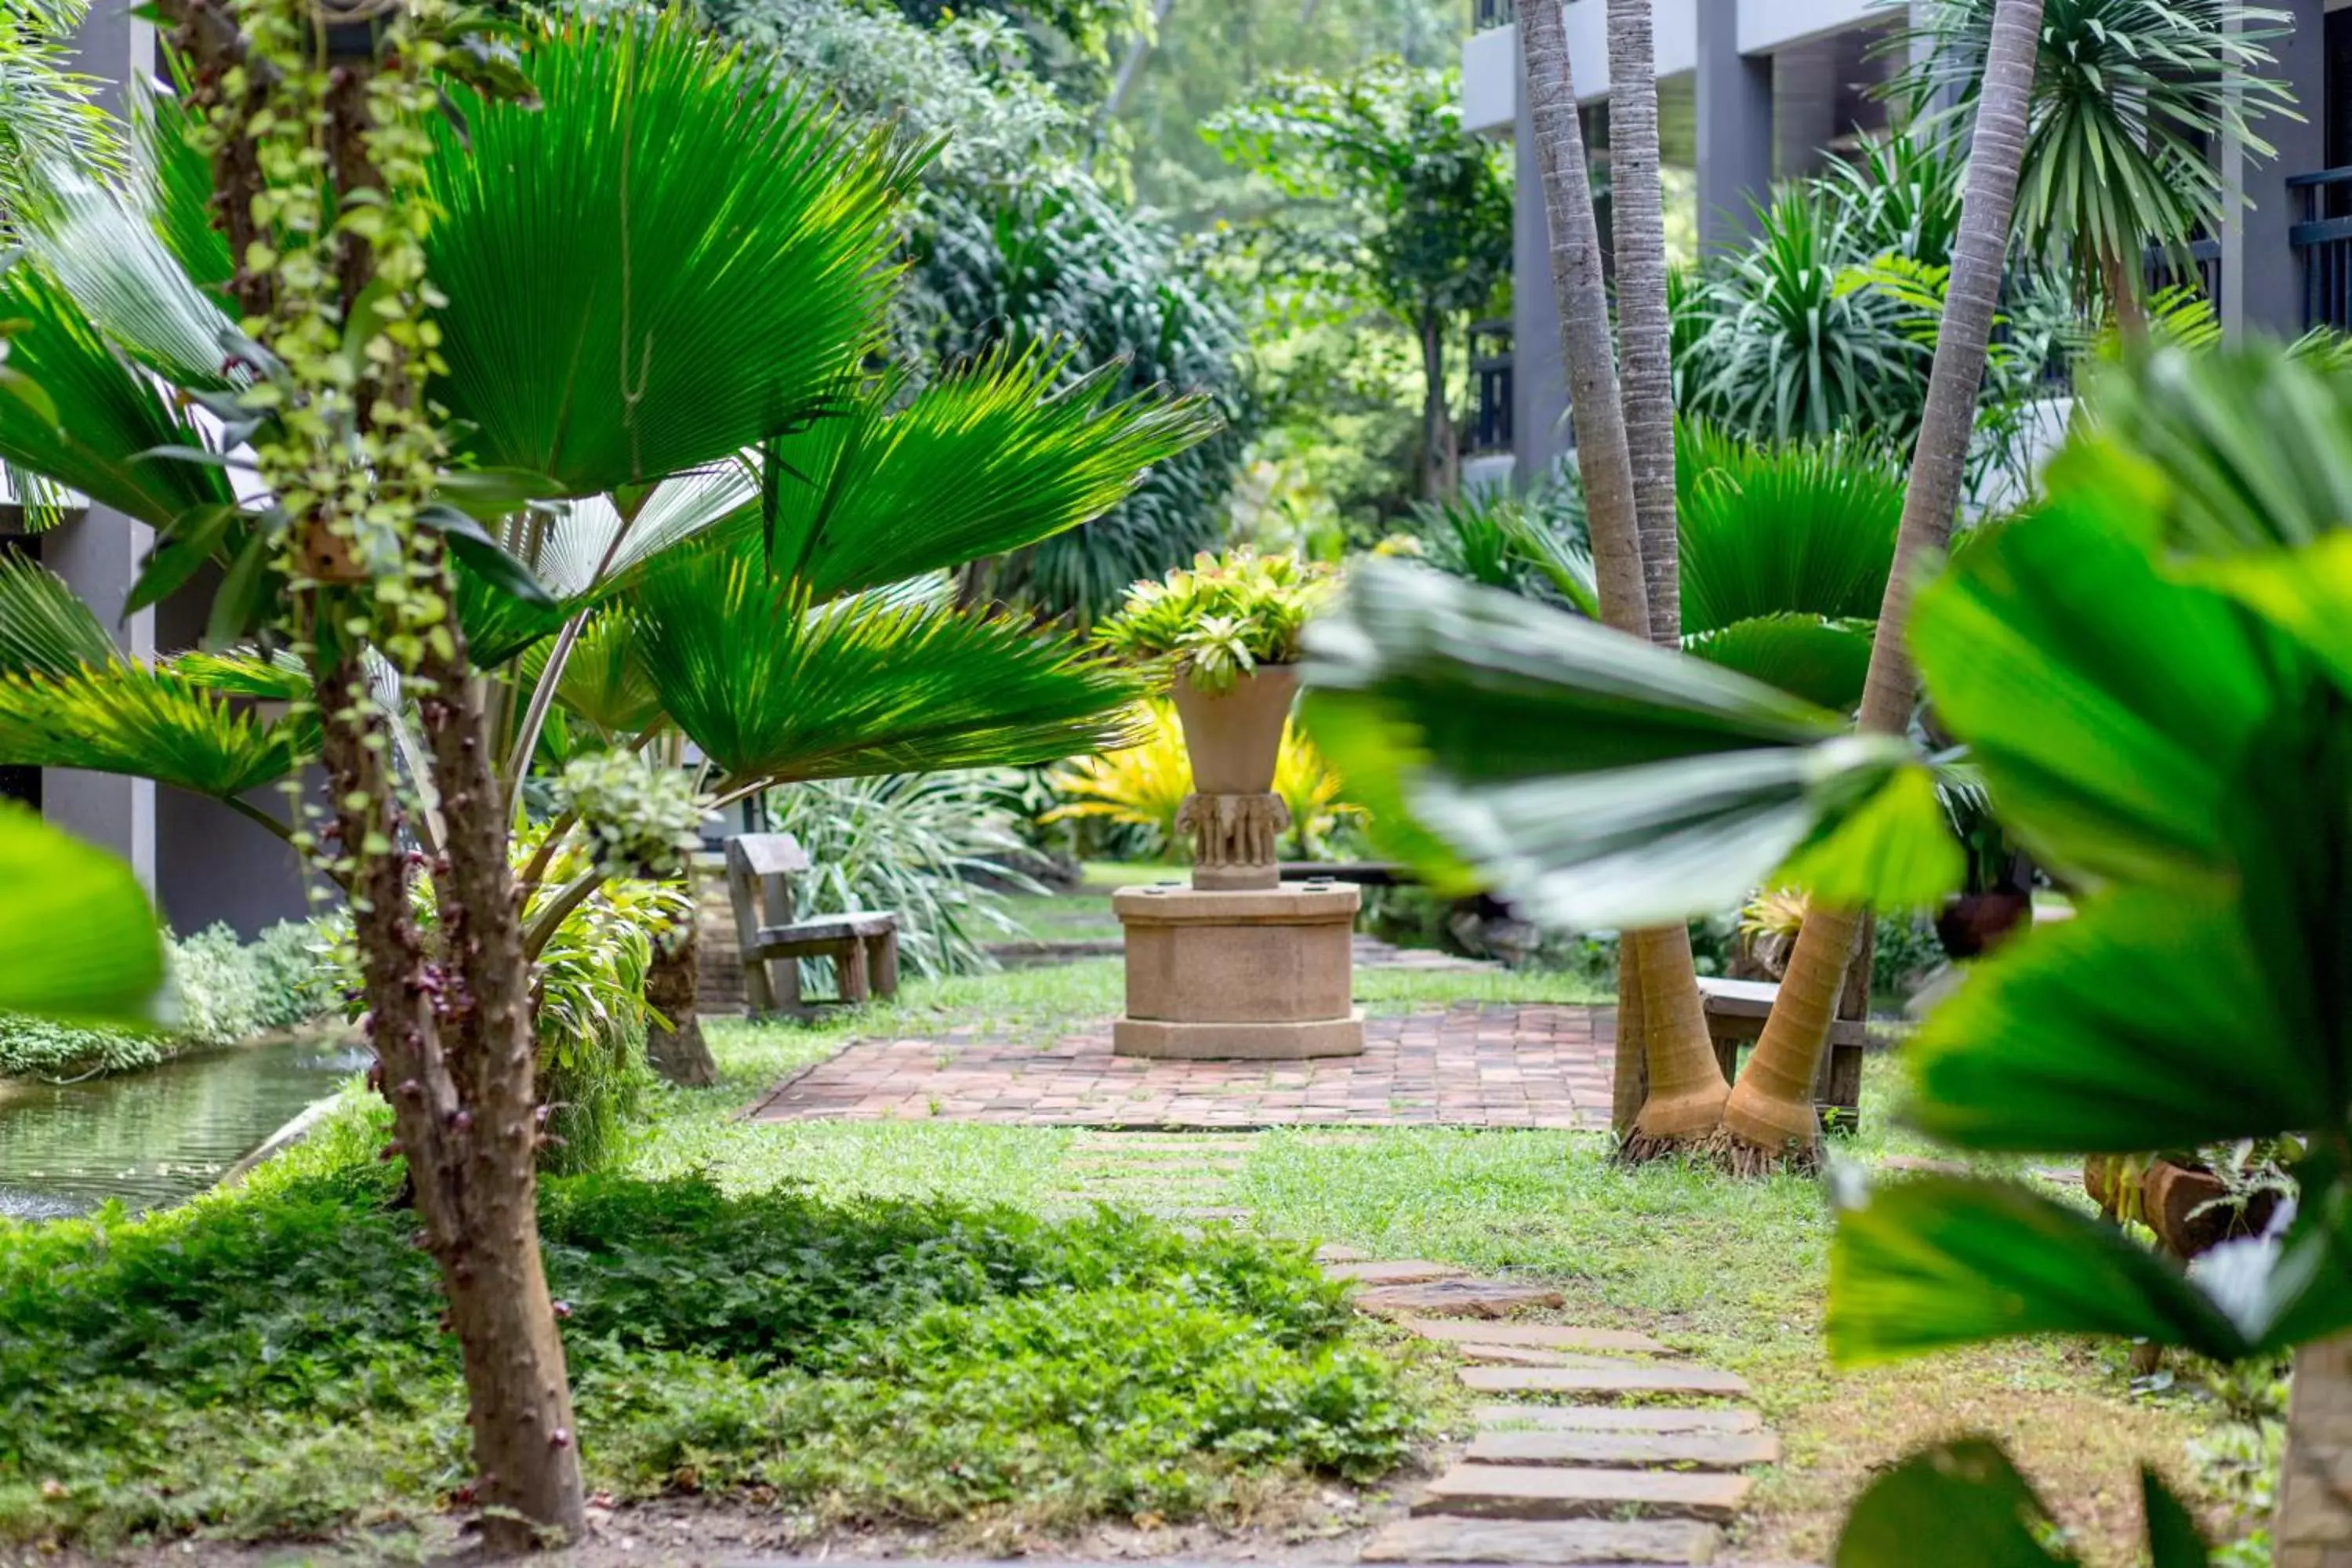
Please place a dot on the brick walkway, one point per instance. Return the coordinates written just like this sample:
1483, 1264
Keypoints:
1470, 1066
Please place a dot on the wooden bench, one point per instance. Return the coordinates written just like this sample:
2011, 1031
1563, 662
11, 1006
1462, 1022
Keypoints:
862, 944
1735, 1011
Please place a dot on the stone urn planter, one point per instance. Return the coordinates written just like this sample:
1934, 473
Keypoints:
1235, 738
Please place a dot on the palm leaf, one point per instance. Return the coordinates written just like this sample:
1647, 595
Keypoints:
604, 681
974, 465
771, 688
671, 261
182, 185
79, 937
147, 724
44, 628
109, 415
1793, 530
1820, 660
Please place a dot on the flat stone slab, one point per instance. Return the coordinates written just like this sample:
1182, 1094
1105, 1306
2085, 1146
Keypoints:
1458, 1299
1440, 1539
1612, 1418
1595, 1375
1332, 1252
1406, 1271
1553, 1491
1512, 1355
1535, 1336
1626, 1450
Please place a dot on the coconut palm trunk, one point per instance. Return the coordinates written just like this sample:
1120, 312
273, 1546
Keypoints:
1771, 1109
2314, 1528
1440, 456
1659, 1016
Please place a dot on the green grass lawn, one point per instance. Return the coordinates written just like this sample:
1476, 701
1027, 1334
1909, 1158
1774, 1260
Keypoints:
290, 1383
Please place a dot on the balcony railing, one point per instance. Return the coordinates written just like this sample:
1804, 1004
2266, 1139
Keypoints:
2201, 269
1486, 13
2322, 240
1490, 389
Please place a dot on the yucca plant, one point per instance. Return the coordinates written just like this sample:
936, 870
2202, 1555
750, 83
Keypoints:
643, 429
2152, 673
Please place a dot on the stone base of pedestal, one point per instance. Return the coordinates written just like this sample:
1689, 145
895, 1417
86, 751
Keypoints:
1253, 975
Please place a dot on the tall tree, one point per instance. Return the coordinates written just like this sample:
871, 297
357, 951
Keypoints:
1660, 1020
1395, 204
2128, 100
1771, 1107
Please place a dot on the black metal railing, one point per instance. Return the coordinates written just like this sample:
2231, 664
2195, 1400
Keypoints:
2323, 243
1490, 389
2197, 265
1486, 13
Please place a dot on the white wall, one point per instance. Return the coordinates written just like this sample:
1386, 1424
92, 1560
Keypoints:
1768, 25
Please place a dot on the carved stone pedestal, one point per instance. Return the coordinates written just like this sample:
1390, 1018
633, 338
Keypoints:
1261, 975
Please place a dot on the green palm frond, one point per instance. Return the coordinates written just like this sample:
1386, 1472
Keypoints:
147, 724
181, 180
44, 628
1805, 530
604, 681
109, 413
771, 687
109, 260
673, 259
588, 544
973, 465
275, 677
1824, 661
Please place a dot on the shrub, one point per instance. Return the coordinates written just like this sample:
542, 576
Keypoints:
225, 992
269, 1362
933, 849
1221, 617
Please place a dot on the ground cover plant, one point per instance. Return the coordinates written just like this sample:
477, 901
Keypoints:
273, 1363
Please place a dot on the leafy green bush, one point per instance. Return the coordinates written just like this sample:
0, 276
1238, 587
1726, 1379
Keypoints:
919, 1360
932, 849
225, 992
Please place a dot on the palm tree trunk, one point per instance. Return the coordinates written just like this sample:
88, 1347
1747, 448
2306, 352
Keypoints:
674, 1044
1440, 461
2122, 285
1658, 1012
1770, 1111
1639, 227
2314, 1529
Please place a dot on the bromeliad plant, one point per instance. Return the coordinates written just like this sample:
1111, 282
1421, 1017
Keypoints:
2153, 675
657, 489
1217, 620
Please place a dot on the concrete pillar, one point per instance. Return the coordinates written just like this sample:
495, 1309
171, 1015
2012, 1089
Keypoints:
97, 554
1735, 128
1539, 431
2262, 279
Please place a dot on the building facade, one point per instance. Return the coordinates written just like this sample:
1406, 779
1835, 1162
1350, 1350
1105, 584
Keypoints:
1776, 87
201, 861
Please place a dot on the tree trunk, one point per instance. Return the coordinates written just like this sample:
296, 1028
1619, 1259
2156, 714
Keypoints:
673, 988
1638, 221
1658, 1011
2121, 278
1440, 466
2314, 1529
1771, 1109
1139, 51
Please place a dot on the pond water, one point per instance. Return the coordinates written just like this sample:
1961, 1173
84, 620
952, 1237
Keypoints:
157, 1137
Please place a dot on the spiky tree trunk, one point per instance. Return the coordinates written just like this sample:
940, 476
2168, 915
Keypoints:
1658, 1012
1771, 1110
1638, 226
450, 1020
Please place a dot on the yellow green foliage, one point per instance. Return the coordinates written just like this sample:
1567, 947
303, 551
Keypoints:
1146, 784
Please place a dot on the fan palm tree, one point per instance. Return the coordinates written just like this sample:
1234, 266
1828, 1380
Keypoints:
2129, 96
679, 503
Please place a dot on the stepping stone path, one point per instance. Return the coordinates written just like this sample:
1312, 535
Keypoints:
1595, 1481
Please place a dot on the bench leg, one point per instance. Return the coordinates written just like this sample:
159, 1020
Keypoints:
759, 996
883, 960
850, 961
